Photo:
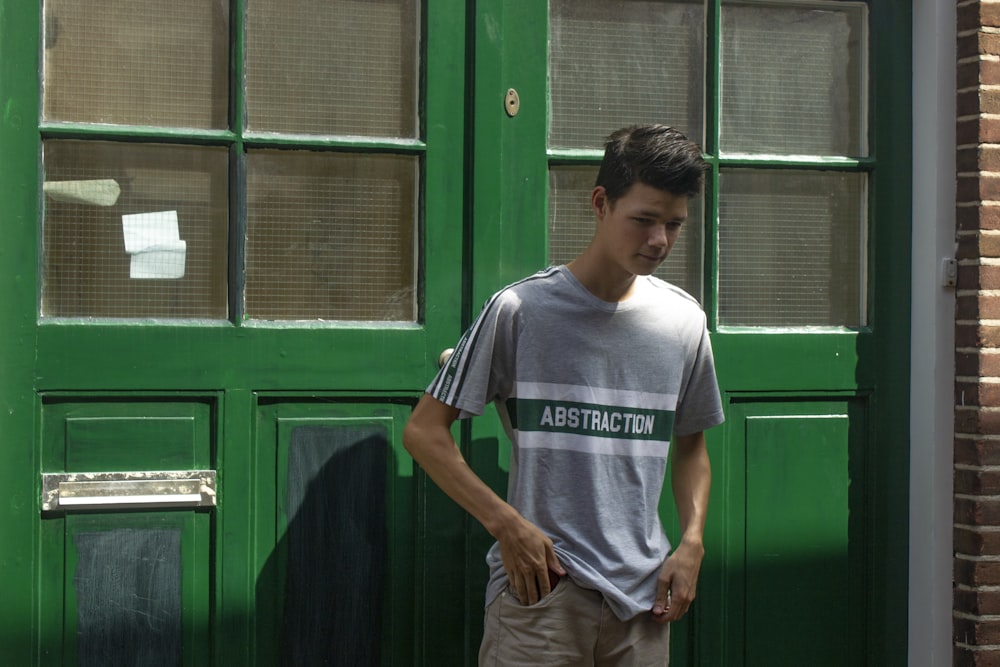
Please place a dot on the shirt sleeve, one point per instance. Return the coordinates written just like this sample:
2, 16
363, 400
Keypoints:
699, 404
481, 368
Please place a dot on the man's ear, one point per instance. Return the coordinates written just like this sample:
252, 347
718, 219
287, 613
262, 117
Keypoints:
599, 202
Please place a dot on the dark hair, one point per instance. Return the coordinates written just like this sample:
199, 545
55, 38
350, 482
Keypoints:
656, 155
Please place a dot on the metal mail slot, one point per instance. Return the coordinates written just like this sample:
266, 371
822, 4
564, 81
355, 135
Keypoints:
110, 490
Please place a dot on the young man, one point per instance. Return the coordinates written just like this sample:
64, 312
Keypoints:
597, 370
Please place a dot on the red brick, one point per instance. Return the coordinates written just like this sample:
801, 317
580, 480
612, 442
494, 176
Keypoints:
989, 245
971, 218
980, 422
989, 187
978, 43
978, 276
977, 602
977, 572
977, 453
976, 543
977, 364
983, 187
966, 393
989, 72
967, 75
978, 245
967, 159
989, 14
989, 157
975, 657
976, 512
977, 336
977, 307
975, 631
979, 482
968, 17
985, 394
976, 73
969, 103
978, 130
982, 157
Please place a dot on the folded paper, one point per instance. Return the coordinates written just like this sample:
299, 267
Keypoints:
153, 241
97, 192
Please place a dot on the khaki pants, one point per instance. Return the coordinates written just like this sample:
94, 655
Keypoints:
571, 626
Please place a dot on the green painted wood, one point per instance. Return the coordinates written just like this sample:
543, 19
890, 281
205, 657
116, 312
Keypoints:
222, 366
19, 484
509, 220
890, 266
194, 566
110, 433
802, 366
280, 422
510, 172
788, 576
797, 540
484, 225
162, 356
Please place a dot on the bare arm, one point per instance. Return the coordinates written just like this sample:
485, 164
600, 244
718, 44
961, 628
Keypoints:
691, 478
527, 553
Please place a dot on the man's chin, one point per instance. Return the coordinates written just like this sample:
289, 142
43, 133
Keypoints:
647, 267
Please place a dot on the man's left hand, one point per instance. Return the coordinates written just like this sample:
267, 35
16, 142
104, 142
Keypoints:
677, 582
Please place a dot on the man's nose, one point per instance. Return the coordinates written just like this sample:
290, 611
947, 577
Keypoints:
658, 236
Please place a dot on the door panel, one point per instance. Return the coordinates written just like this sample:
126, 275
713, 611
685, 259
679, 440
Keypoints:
125, 586
803, 473
288, 220
129, 588
336, 526
299, 171
781, 253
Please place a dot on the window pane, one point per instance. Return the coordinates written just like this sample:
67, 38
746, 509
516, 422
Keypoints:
128, 589
791, 248
794, 78
135, 62
571, 226
336, 544
101, 261
346, 67
331, 236
619, 63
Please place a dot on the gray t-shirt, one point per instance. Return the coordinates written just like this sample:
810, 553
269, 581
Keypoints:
589, 393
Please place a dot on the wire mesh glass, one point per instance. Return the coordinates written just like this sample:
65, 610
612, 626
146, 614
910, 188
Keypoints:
137, 62
134, 230
571, 226
794, 78
792, 248
341, 67
619, 63
331, 236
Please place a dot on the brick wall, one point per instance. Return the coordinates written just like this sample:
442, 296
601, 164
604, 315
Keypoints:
976, 612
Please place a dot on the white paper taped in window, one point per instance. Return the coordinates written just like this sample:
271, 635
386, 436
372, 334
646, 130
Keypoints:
153, 241
98, 192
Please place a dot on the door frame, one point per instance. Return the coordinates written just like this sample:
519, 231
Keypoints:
932, 327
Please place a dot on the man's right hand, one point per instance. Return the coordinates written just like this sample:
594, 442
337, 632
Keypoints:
528, 556
526, 551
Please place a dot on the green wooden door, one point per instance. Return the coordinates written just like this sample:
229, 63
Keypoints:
798, 252
238, 235
233, 251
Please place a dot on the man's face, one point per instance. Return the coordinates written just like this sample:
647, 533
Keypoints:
637, 231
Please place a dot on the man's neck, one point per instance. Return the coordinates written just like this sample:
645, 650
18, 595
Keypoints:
608, 283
